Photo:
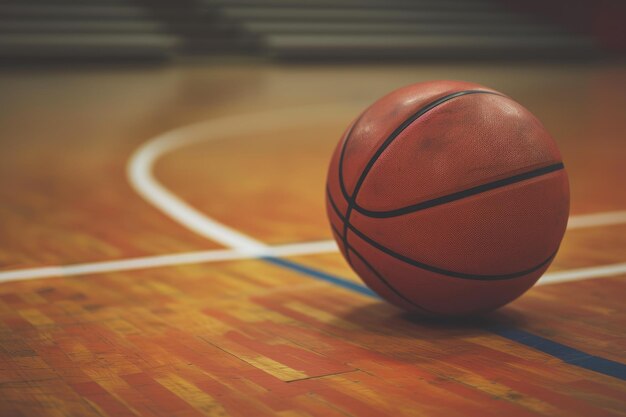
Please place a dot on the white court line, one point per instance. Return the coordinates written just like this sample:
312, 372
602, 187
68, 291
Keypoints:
141, 164
216, 255
140, 173
583, 273
596, 219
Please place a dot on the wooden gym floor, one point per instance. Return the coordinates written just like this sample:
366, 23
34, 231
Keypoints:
130, 269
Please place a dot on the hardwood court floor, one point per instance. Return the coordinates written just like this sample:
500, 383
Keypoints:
254, 338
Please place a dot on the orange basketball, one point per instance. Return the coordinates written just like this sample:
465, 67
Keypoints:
447, 198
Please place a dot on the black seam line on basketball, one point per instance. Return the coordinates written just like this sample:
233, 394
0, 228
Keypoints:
346, 246
431, 268
379, 276
342, 185
461, 194
423, 110
332, 226
352, 199
335, 209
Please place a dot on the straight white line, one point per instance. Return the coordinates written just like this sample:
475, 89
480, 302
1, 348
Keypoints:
221, 255
596, 219
583, 273
121, 265
218, 255
307, 248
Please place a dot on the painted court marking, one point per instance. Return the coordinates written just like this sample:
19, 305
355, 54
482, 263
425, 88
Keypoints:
141, 164
140, 173
597, 219
223, 255
563, 352
142, 178
158, 261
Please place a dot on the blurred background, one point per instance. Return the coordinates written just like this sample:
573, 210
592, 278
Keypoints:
61, 31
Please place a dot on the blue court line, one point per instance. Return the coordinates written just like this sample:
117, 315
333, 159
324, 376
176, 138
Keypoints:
323, 276
565, 353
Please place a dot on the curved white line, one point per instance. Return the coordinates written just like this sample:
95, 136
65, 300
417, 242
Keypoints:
141, 177
141, 165
140, 174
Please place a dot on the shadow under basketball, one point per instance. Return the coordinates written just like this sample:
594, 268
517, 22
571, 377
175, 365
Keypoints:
384, 319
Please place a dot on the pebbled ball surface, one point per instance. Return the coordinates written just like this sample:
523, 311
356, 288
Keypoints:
447, 198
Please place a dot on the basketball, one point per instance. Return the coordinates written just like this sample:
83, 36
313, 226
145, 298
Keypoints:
447, 198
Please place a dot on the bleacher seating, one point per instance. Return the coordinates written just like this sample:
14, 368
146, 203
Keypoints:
279, 29
81, 30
